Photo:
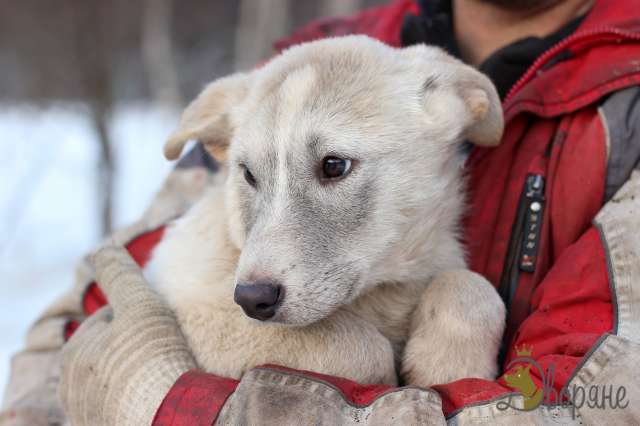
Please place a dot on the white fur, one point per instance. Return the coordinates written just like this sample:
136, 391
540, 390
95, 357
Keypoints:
372, 266
199, 284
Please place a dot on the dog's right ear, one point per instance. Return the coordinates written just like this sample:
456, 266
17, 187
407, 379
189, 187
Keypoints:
482, 118
207, 120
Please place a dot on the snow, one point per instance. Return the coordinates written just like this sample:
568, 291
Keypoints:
48, 209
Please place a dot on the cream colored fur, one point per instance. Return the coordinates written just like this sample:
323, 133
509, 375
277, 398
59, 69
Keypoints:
224, 340
372, 267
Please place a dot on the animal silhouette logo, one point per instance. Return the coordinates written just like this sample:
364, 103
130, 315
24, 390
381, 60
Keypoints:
546, 393
521, 380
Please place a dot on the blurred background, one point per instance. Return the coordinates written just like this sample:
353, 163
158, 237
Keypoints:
88, 91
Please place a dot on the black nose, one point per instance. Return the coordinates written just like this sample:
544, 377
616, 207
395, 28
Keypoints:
258, 300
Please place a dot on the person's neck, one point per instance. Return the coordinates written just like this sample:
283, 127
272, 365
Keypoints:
482, 28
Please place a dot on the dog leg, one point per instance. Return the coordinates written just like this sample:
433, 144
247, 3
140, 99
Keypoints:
345, 345
227, 343
455, 332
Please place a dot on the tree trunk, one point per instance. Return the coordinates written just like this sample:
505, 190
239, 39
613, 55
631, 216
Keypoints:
157, 52
259, 24
340, 7
100, 118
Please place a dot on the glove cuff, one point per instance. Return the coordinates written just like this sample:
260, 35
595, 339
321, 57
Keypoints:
195, 399
149, 384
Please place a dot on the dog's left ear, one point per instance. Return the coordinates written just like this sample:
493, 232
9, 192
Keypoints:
482, 120
483, 104
207, 118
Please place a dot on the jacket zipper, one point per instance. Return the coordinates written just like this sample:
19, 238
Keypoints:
524, 243
554, 50
525, 235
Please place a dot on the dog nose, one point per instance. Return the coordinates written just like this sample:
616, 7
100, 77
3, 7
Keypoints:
258, 300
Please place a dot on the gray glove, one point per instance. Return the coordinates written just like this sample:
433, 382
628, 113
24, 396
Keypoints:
122, 361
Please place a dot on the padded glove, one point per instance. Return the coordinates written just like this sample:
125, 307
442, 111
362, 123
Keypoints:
121, 362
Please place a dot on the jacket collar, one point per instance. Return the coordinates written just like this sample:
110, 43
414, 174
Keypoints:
601, 56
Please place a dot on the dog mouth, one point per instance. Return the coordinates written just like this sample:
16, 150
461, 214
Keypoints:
308, 310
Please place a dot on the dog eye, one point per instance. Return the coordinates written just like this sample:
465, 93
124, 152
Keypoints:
334, 167
248, 176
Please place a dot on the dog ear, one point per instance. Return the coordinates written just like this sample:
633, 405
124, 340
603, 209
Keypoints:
483, 122
486, 123
207, 119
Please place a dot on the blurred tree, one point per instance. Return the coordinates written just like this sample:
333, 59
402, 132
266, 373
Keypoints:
95, 40
259, 23
157, 49
340, 7
102, 53
68, 49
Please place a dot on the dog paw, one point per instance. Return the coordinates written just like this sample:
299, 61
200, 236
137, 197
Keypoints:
456, 331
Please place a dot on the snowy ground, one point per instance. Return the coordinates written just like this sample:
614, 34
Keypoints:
48, 215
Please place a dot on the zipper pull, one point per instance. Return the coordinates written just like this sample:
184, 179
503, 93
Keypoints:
534, 209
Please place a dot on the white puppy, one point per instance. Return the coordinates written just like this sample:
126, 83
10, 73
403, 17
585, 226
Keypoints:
331, 241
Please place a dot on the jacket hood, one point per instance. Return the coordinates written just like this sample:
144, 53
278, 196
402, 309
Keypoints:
601, 56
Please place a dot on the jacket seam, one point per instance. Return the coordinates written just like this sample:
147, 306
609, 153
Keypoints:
429, 393
583, 99
610, 276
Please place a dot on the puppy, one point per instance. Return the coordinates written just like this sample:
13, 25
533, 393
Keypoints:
330, 241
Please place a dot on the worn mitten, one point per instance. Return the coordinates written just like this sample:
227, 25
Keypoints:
122, 361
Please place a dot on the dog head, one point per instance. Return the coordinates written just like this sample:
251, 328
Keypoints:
343, 168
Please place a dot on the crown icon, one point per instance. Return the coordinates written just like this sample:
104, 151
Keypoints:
524, 350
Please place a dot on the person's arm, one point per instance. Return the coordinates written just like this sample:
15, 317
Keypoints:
31, 393
120, 363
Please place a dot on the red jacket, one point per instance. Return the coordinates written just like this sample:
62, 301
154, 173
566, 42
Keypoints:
532, 200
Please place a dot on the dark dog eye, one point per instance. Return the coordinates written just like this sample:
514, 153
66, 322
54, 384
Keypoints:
251, 180
334, 167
